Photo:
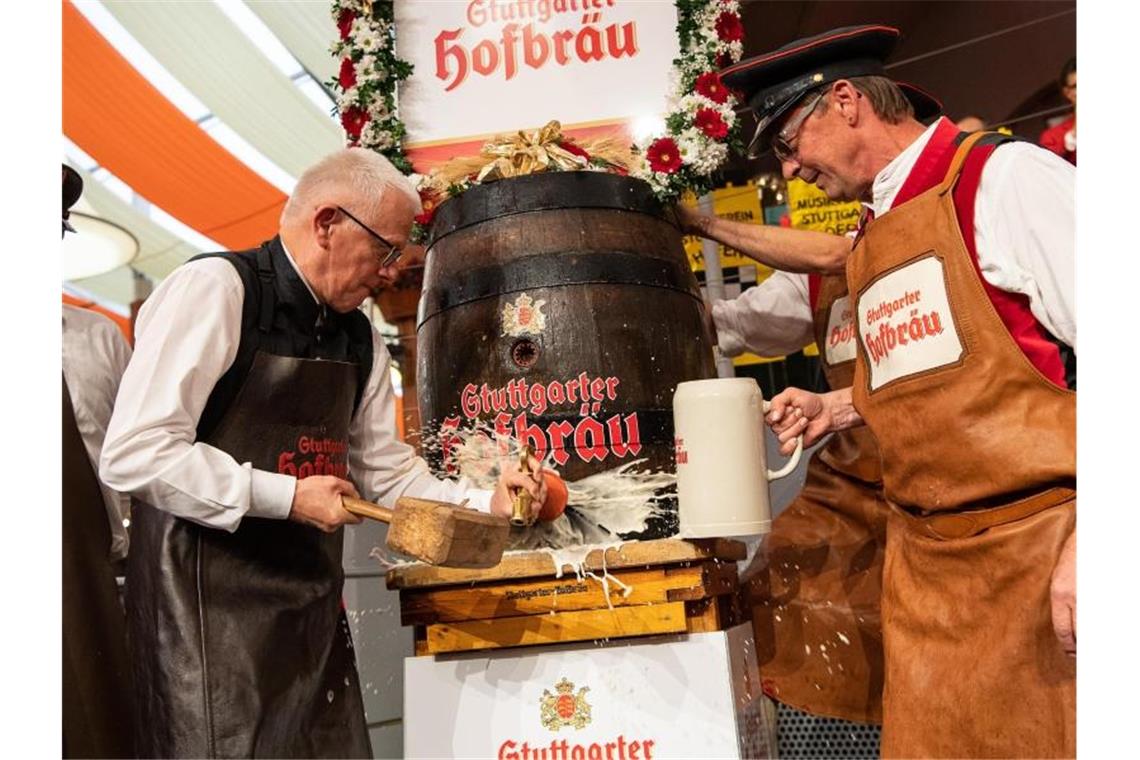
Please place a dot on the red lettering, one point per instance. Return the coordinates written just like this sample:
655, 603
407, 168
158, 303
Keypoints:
611, 388
595, 448
535, 47
469, 401
484, 58
628, 45
510, 37
530, 435
558, 432
560, 40
449, 441
285, 464
456, 52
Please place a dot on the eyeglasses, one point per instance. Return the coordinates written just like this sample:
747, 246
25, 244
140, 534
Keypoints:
387, 259
782, 143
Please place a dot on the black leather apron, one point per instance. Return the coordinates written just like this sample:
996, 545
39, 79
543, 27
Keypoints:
96, 673
249, 648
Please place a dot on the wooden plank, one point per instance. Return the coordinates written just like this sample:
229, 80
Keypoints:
703, 615
560, 627
717, 579
665, 551
540, 597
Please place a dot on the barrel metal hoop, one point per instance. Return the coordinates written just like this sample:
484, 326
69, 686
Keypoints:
543, 192
557, 271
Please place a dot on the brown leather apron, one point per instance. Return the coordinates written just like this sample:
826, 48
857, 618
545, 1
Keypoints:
978, 452
816, 600
254, 657
96, 674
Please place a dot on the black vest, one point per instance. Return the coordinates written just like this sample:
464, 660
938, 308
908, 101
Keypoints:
279, 316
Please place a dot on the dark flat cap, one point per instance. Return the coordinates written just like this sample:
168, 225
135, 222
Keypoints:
773, 82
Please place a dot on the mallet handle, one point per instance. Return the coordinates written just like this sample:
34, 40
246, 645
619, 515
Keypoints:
367, 509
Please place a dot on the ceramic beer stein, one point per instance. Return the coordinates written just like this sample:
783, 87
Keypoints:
722, 468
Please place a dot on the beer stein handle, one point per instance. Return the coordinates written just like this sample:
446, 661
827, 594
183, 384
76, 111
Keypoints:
795, 458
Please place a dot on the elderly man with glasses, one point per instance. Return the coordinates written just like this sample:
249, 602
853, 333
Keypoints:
258, 395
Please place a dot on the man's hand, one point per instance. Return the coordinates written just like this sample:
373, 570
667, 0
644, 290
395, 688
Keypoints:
511, 479
1063, 595
691, 221
796, 411
316, 502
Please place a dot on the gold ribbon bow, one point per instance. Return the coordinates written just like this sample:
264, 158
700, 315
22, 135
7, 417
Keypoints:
528, 153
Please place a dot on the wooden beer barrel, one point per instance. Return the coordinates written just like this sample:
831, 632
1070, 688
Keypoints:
560, 309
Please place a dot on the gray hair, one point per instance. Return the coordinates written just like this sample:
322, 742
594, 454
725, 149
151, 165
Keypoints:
887, 100
353, 177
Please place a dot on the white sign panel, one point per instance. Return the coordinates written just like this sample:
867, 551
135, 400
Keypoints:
686, 696
905, 323
840, 346
489, 66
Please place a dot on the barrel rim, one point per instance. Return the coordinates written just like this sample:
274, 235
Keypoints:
545, 191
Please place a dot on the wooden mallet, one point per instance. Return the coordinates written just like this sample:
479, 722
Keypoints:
438, 532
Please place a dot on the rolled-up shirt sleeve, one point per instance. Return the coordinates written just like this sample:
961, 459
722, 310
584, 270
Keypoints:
385, 468
187, 335
771, 319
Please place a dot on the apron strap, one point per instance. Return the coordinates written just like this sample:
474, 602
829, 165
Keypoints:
959, 160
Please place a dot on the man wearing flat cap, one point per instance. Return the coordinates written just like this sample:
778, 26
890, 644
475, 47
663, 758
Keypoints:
960, 286
817, 581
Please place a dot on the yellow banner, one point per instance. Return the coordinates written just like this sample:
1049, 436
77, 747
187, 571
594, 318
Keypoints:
811, 209
741, 204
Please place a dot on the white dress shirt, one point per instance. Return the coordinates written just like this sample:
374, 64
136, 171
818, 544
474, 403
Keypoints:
95, 354
770, 319
1024, 225
1024, 229
187, 336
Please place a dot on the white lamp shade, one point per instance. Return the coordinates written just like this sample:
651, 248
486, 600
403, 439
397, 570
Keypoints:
96, 247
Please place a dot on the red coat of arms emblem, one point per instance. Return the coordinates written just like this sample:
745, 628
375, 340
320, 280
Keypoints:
564, 708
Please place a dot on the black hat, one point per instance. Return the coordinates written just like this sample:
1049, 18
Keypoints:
773, 82
72, 189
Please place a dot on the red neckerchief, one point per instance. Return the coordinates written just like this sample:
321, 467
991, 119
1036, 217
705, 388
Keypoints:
932, 163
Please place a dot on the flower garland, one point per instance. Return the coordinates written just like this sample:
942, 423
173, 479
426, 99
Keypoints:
700, 121
369, 72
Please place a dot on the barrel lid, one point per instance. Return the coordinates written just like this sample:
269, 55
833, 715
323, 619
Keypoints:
542, 192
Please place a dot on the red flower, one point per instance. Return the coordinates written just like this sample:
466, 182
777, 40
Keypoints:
729, 28
571, 147
723, 60
347, 73
664, 155
353, 120
344, 22
710, 122
709, 85
429, 200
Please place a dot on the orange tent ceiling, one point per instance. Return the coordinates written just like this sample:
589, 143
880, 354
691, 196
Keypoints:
122, 121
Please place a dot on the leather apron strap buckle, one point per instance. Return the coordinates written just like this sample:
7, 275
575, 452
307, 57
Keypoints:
954, 525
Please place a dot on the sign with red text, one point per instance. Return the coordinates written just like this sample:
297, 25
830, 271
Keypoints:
484, 67
660, 697
840, 345
521, 410
905, 323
